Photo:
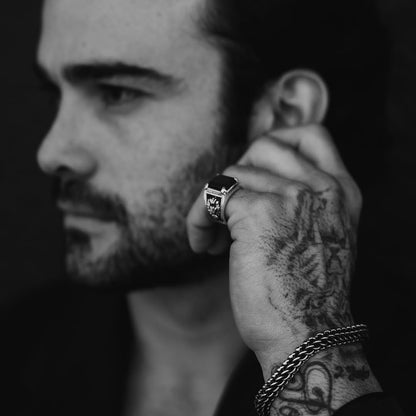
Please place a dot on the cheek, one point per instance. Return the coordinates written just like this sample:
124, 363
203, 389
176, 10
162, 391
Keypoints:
163, 139
153, 149
160, 172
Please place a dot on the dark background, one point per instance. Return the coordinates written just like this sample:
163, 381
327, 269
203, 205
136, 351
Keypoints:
384, 289
29, 229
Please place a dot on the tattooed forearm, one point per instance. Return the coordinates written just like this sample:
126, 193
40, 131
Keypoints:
352, 372
325, 384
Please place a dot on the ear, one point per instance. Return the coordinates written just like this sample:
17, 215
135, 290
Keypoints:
298, 98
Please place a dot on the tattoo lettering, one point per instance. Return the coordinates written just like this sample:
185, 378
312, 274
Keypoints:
352, 373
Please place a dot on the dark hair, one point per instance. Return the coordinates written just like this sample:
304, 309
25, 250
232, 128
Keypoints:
341, 40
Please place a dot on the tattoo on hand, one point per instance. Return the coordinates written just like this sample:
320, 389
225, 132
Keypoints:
315, 257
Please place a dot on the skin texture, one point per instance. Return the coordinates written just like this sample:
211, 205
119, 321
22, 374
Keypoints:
131, 153
293, 230
315, 389
130, 144
300, 235
321, 253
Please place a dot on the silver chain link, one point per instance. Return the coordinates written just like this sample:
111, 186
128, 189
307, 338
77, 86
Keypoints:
320, 342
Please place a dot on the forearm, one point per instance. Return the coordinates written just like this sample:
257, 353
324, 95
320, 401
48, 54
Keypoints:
324, 384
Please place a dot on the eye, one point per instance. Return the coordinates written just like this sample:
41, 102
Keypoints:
115, 95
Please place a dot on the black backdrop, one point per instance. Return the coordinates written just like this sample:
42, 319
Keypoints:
29, 226
384, 289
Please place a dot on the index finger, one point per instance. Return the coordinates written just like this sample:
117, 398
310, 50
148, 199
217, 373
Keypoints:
315, 144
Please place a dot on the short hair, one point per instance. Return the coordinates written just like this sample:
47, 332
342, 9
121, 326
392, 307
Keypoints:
342, 40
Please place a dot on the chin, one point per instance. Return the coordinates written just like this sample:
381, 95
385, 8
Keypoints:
125, 272
131, 263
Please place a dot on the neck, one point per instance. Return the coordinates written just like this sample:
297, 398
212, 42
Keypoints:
187, 347
175, 326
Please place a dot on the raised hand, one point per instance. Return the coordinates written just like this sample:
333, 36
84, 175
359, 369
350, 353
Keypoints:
293, 241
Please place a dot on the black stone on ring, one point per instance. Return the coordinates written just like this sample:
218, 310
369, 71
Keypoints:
217, 192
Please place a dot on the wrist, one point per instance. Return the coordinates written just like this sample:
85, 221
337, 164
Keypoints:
330, 380
326, 382
320, 374
272, 352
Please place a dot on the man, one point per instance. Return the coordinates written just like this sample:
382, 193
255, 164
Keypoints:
148, 113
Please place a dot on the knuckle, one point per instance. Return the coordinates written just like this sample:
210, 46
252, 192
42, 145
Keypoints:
287, 152
263, 206
331, 184
325, 183
352, 191
322, 137
357, 196
266, 140
319, 132
296, 189
231, 171
262, 144
336, 193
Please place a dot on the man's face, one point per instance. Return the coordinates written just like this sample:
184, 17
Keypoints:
136, 134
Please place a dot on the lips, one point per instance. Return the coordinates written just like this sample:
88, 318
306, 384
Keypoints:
82, 211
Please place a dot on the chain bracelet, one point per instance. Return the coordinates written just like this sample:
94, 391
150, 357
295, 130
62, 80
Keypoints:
320, 342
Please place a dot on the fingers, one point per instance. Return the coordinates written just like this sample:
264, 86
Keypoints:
314, 143
259, 179
204, 234
305, 154
282, 165
283, 160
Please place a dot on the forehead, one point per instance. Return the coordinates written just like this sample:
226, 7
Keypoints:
145, 30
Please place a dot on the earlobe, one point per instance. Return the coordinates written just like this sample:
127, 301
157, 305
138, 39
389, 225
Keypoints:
299, 97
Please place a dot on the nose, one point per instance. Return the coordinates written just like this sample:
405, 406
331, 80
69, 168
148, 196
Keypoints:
65, 149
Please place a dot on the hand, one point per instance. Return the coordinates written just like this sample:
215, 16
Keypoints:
293, 234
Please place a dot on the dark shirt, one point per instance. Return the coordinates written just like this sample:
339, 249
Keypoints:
67, 352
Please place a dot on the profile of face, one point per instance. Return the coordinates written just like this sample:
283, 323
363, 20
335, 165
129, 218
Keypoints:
137, 133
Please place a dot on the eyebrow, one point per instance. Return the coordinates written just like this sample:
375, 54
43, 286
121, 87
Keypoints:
96, 71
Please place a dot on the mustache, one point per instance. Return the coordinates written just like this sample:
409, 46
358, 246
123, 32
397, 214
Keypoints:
80, 193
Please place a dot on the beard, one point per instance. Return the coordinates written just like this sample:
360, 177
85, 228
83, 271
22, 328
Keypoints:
151, 248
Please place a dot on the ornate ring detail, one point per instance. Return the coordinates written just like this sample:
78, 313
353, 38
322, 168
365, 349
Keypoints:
217, 192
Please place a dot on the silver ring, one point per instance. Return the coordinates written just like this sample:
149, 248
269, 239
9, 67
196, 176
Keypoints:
217, 192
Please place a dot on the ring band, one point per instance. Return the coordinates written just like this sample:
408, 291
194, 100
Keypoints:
217, 192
